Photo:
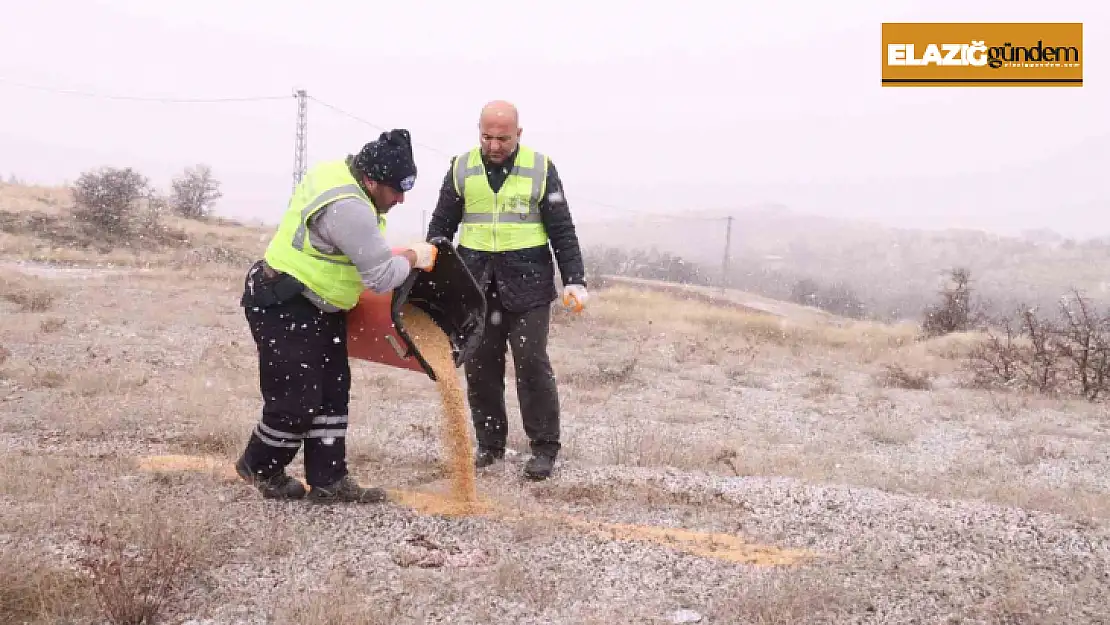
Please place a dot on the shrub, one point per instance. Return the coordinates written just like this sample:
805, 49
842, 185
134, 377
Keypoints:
1068, 355
838, 298
953, 313
897, 376
116, 202
806, 292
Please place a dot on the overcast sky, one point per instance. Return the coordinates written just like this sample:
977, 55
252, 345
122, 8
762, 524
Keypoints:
645, 107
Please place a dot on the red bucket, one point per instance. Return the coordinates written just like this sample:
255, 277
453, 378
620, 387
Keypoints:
448, 293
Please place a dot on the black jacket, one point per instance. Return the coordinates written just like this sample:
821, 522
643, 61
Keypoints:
524, 278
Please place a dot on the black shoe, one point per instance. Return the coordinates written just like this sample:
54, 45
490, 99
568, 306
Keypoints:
486, 457
280, 486
539, 467
346, 490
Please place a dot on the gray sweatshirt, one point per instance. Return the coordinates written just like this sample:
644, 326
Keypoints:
348, 226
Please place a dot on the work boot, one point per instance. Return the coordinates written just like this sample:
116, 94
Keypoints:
280, 486
486, 457
539, 467
346, 490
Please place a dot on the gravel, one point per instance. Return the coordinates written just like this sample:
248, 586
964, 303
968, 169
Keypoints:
889, 531
879, 558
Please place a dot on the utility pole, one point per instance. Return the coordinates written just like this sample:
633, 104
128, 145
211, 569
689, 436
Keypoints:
728, 244
300, 150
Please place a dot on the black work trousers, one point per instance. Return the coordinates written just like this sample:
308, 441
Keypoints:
526, 335
305, 380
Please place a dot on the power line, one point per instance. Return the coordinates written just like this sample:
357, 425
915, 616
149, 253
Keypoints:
373, 125
166, 100
450, 155
300, 145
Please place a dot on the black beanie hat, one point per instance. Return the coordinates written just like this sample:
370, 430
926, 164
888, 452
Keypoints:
389, 160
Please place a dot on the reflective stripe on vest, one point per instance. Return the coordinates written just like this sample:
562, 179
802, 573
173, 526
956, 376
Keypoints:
301, 235
333, 277
509, 219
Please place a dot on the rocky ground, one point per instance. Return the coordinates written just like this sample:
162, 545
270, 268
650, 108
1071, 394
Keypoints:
719, 468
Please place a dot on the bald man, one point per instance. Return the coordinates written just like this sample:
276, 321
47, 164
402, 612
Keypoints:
509, 202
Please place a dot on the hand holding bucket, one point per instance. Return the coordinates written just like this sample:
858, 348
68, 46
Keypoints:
425, 256
442, 286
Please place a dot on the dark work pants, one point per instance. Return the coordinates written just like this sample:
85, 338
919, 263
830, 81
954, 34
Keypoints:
305, 379
526, 335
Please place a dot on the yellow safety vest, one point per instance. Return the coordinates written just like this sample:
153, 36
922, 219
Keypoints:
333, 277
506, 220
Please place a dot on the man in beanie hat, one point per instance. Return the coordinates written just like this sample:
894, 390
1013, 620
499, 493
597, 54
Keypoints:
509, 202
387, 161
329, 247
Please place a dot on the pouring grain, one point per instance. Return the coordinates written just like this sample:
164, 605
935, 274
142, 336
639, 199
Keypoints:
435, 347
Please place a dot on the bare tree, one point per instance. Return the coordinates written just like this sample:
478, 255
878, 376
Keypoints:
1041, 367
195, 192
994, 362
1084, 343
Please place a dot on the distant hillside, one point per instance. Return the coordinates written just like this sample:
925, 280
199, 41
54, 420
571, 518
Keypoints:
749, 303
38, 223
884, 272
895, 272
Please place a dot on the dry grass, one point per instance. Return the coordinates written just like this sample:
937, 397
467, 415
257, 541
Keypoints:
639, 443
25, 476
894, 375
516, 579
625, 306
785, 600
27, 294
134, 552
210, 426
107, 381
23, 198
823, 386
649, 381
890, 433
37, 590
1028, 450
339, 606
137, 568
618, 492
35, 224
216, 437
601, 374
51, 324
955, 346
45, 378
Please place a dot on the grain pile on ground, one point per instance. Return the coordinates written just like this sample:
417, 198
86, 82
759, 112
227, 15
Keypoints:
435, 347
